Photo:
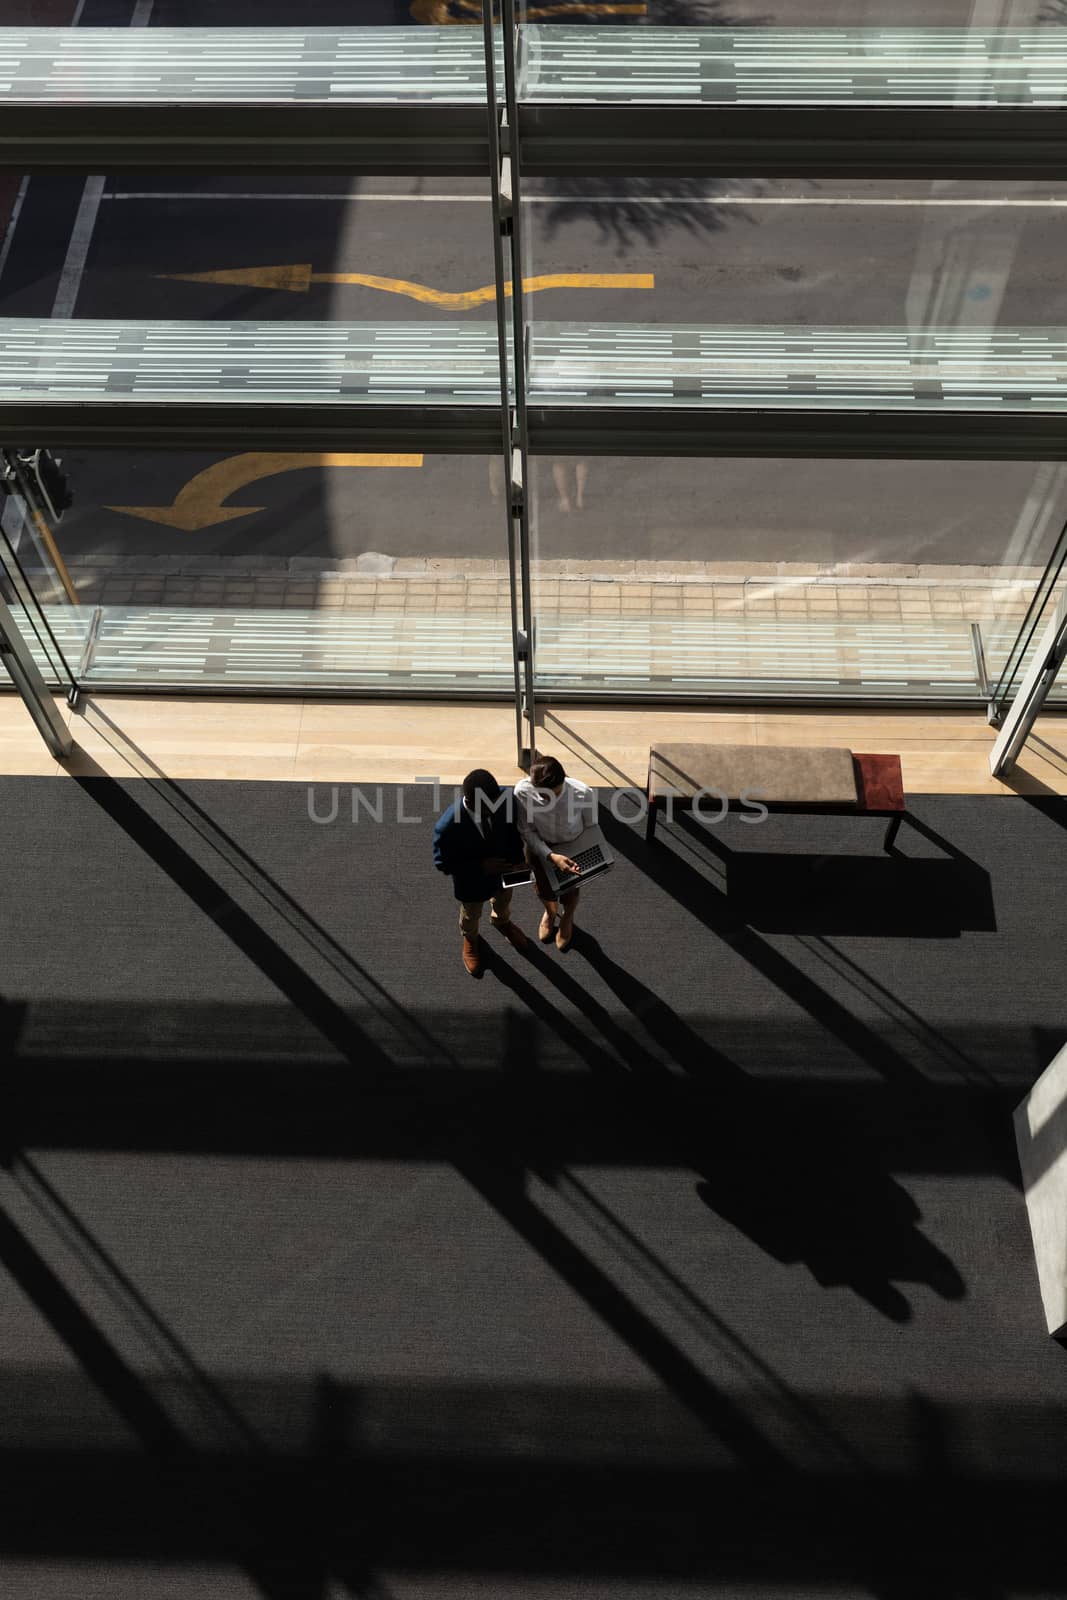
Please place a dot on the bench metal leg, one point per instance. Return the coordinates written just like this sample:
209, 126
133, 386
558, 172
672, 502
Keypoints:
650, 822
892, 830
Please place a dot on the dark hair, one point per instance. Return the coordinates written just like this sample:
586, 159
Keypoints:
480, 782
547, 773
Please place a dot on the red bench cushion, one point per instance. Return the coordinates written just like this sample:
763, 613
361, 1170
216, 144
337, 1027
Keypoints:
879, 782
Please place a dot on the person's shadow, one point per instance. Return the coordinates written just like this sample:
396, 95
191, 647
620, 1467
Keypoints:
802, 1189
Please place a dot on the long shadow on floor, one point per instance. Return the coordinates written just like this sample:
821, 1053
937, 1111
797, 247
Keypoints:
275, 1539
486, 1151
802, 1190
710, 906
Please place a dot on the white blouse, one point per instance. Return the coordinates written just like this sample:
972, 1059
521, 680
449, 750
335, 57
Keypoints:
546, 820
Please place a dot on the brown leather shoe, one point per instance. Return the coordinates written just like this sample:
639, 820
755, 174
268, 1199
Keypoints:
472, 957
547, 928
512, 933
564, 935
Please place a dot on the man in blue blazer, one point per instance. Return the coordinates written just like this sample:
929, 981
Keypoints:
474, 841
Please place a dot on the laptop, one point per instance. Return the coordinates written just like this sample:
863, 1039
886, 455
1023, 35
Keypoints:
592, 853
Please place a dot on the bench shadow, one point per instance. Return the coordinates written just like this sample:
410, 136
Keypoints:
893, 895
890, 896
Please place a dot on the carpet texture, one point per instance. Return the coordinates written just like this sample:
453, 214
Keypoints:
690, 1263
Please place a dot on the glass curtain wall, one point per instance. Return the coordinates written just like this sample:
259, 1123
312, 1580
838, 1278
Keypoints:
661, 574
295, 569
305, 572
734, 574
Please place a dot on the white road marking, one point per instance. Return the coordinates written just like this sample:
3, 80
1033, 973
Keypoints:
602, 199
9, 235
81, 237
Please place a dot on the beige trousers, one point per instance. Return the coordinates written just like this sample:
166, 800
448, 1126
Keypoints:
470, 912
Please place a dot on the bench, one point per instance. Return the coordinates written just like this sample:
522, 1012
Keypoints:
784, 778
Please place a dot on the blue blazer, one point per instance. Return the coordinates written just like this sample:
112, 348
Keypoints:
459, 849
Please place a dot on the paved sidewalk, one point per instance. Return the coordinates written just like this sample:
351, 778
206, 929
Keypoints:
599, 589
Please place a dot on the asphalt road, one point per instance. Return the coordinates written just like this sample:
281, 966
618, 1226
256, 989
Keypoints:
729, 252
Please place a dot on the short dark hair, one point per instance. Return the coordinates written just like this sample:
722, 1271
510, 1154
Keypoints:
480, 782
547, 773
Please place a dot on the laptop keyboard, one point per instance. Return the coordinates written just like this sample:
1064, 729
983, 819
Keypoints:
589, 858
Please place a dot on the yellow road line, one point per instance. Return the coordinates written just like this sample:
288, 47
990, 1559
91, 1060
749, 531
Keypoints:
299, 278
463, 299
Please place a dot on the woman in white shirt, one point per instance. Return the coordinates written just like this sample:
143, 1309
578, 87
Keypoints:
552, 810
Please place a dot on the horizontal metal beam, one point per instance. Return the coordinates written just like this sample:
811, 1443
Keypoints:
1002, 142
995, 142
391, 141
553, 431
281, 425
831, 435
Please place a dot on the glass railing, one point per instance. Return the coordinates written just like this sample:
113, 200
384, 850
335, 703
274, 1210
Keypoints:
242, 66
53, 631
960, 67
992, 371
794, 66
248, 363
797, 368
454, 650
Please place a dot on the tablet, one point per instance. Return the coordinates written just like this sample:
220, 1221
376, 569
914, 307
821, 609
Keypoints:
515, 877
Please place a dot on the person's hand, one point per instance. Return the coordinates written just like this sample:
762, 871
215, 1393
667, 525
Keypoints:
565, 864
492, 865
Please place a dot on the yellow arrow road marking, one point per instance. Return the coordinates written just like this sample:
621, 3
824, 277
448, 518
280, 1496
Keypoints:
297, 278
462, 300
300, 278
199, 504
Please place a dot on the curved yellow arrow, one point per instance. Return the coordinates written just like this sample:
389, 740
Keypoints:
199, 504
300, 278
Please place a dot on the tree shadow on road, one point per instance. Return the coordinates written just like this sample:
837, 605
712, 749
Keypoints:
641, 211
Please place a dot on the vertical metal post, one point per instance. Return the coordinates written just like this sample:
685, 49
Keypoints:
31, 686
1035, 611
1032, 693
512, 45
978, 648
504, 177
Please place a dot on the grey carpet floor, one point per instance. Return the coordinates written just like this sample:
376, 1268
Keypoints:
690, 1263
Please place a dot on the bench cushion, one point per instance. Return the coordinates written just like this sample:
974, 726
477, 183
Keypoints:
786, 774
880, 782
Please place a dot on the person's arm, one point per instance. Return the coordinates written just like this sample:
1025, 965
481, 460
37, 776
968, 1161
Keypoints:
444, 855
524, 822
586, 809
513, 843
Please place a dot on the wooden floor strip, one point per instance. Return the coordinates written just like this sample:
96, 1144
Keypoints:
315, 741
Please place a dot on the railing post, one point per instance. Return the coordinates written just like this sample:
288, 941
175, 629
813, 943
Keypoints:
27, 679
1032, 693
504, 182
